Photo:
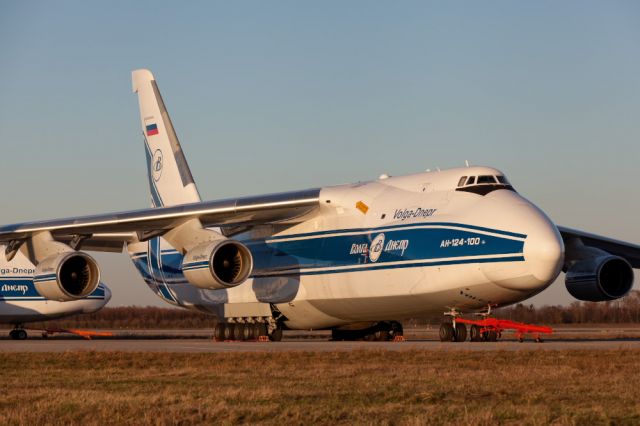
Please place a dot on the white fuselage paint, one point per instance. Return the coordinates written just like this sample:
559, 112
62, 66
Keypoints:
401, 247
20, 302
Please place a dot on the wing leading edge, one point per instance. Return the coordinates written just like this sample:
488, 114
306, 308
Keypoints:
629, 251
108, 232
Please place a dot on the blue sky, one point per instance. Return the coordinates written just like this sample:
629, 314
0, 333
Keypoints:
274, 96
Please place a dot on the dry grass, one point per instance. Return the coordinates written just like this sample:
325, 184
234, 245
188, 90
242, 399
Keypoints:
412, 387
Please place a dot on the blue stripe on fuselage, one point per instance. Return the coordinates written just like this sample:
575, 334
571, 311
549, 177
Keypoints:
410, 245
23, 288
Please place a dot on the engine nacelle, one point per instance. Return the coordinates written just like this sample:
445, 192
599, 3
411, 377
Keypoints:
217, 264
598, 279
67, 276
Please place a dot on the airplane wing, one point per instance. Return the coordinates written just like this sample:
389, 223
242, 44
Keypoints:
629, 251
109, 232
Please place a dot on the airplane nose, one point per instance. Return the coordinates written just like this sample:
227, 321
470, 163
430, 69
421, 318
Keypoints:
544, 252
542, 249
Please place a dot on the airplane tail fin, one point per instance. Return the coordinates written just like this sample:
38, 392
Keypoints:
170, 180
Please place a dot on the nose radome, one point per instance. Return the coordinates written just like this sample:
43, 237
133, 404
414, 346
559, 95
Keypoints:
544, 252
542, 249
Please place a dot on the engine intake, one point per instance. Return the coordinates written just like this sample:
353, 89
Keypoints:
599, 279
67, 276
218, 264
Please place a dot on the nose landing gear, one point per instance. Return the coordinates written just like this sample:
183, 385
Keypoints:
453, 331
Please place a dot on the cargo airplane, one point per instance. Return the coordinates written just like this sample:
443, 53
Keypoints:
354, 258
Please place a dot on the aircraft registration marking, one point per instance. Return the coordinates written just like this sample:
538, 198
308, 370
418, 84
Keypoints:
461, 242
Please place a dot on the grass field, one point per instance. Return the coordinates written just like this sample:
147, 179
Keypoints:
528, 387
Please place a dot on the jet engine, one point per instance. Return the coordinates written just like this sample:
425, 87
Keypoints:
598, 279
67, 276
217, 264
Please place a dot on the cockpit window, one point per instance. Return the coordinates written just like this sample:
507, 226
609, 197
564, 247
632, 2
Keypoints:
462, 180
485, 184
486, 179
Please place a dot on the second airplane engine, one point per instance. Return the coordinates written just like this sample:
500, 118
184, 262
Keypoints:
598, 279
67, 276
217, 264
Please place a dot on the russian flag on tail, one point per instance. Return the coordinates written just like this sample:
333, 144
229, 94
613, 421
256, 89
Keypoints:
152, 129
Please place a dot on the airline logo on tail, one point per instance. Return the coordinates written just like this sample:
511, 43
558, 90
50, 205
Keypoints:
156, 165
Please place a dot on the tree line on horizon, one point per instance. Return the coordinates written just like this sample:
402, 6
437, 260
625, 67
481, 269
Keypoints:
622, 311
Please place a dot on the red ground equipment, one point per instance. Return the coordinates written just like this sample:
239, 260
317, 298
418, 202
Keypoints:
85, 334
490, 329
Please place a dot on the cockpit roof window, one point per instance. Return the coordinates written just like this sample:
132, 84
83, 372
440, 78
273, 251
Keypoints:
486, 179
471, 180
462, 180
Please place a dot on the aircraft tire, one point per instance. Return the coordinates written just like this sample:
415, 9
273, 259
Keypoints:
218, 332
492, 336
18, 334
461, 333
238, 333
276, 335
381, 335
475, 335
255, 331
396, 329
247, 333
229, 331
446, 332
261, 330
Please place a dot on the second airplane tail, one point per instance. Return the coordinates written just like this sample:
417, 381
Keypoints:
170, 179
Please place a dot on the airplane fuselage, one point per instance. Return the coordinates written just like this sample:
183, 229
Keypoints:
390, 249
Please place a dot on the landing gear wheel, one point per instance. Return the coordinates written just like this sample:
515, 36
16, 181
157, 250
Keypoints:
238, 333
381, 335
229, 331
261, 330
255, 331
18, 334
247, 332
446, 332
396, 330
276, 335
461, 332
475, 334
492, 336
218, 332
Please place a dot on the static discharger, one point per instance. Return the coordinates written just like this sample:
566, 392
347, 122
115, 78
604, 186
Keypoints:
362, 207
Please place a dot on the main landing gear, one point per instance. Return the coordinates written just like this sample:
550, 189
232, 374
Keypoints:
239, 331
379, 332
18, 333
